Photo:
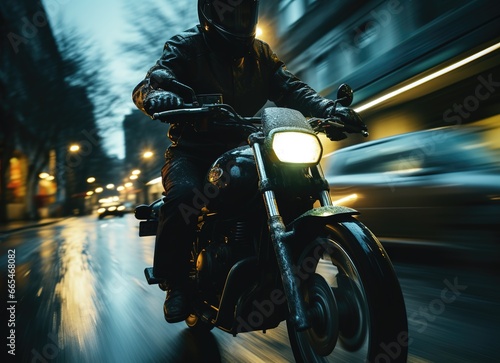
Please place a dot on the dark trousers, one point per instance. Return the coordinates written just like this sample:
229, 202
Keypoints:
183, 178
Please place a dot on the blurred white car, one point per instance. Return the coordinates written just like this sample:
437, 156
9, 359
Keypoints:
434, 186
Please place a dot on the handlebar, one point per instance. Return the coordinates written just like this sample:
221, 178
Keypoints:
217, 114
219, 110
224, 114
165, 115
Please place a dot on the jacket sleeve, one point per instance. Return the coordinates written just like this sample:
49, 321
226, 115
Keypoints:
286, 90
168, 67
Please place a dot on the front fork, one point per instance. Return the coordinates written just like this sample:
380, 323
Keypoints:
280, 238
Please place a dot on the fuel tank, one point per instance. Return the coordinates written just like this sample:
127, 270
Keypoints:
232, 181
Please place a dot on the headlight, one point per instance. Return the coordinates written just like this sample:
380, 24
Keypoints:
297, 147
101, 210
112, 209
121, 207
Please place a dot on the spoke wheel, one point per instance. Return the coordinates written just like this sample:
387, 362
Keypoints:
336, 305
345, 278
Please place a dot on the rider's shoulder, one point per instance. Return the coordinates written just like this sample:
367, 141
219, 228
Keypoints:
187, 36
188, 41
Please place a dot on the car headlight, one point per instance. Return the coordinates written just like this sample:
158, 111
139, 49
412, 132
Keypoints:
297, 147
121, 207
112, 209
101, 210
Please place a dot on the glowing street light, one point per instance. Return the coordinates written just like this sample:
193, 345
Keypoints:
90, 179
147, 154
74, 148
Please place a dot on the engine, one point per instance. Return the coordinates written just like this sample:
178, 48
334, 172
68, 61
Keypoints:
230, 241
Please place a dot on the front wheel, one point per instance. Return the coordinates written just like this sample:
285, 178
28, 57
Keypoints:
353, 298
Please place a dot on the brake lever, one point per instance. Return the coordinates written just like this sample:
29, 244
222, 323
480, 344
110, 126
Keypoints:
187, 110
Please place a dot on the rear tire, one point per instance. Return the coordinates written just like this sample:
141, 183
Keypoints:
361, 315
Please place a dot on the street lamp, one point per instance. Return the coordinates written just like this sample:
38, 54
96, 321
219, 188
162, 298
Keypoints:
74, 148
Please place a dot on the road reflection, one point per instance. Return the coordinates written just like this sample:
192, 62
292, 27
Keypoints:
75, 292
83, 298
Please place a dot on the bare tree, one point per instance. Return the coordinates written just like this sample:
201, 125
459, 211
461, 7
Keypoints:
45, 103
151, 25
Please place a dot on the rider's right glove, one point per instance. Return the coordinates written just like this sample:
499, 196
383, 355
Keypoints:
158, 101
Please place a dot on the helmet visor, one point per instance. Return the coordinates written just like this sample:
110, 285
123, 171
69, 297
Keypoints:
238, 17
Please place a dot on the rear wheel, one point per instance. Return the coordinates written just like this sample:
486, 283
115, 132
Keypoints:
355, 305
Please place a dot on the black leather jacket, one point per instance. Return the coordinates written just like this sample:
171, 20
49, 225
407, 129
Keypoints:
246, 84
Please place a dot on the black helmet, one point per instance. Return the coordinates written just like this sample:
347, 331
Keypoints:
229, 24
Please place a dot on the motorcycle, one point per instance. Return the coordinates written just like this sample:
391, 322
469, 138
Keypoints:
271, 247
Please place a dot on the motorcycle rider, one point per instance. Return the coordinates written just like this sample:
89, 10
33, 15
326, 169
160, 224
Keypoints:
220, 55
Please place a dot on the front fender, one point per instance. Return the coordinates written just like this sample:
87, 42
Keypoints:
321, 215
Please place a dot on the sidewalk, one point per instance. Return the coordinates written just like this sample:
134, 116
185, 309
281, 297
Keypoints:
14, 226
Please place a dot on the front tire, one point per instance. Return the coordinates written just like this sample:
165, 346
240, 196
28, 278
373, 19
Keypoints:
360, 316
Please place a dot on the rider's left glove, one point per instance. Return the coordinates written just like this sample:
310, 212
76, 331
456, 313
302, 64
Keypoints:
350, 118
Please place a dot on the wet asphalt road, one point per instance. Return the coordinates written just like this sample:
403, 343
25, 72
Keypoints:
80, 296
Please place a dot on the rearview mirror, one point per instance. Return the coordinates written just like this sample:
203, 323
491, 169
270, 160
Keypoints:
345, 95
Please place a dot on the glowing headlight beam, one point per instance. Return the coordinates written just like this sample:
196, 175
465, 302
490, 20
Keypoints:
297, 147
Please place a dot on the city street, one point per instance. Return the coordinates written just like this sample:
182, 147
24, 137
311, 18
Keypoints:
80, 296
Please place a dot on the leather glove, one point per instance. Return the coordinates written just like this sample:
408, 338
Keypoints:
351, 120
158, 101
